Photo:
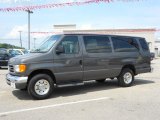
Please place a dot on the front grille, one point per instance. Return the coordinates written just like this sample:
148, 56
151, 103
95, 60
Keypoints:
11, 68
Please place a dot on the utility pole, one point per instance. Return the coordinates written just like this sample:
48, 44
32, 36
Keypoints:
29, 12
20, 38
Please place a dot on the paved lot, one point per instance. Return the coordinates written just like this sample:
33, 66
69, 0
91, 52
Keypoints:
91, 101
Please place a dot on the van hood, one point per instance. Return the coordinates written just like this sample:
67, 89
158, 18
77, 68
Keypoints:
29, 58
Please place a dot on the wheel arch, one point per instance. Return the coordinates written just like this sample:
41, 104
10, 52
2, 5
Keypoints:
42, 71
130, 66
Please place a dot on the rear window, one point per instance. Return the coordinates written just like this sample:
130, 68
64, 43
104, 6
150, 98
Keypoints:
3, 51
122, 44
144, 44
97, 44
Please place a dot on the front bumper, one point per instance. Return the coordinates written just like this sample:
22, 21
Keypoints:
16, 82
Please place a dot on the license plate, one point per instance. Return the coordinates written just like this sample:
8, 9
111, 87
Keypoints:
13, 85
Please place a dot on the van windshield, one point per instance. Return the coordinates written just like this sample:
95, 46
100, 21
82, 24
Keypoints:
46, 46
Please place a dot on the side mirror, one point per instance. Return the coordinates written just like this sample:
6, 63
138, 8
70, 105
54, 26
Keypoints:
59, 49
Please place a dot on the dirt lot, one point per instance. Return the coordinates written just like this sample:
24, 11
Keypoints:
91, 101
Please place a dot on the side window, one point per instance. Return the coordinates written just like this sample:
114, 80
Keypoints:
122, 44
144, 45
70, 44
97, 44
133, 42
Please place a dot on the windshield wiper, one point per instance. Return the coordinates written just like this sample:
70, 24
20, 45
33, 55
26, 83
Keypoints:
36, 50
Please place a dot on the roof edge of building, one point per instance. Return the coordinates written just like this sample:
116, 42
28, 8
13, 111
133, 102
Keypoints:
114, 30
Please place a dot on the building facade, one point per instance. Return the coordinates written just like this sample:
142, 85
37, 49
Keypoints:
157, 48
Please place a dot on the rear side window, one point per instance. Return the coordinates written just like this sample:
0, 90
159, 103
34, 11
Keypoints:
122, 44
144, 45
97, 44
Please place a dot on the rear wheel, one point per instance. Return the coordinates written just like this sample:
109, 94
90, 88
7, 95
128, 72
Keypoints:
126, 78
41, 86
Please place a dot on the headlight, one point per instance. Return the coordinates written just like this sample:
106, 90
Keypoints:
20, 68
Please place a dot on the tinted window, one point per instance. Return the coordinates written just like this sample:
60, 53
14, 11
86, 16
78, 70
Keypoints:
144, 44
134, 43
3, 51
97, 44
14, 52
122, 44
70, 44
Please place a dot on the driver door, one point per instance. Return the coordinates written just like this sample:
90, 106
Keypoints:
68, 65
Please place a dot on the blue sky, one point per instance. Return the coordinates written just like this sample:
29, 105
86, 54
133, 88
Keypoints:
140, 14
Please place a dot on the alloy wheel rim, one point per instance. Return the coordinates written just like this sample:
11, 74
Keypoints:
42, 87
127, 78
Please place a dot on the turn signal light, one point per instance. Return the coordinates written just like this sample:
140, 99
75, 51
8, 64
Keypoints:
22, 68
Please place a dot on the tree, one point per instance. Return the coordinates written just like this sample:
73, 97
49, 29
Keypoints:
9, 46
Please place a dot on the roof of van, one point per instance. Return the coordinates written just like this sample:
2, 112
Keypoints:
100, 35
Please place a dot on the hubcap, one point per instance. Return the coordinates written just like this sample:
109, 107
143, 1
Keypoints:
42, 87
127, 78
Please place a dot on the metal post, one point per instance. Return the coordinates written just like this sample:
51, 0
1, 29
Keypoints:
29, 12
20, 38
28, 30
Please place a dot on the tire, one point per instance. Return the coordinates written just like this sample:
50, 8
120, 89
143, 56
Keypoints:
41, 86
101, 80
25, 89
126, 78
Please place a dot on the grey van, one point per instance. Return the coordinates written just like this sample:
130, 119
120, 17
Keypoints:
72, 59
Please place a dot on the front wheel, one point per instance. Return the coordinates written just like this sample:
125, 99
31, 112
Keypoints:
126, 78
40, 86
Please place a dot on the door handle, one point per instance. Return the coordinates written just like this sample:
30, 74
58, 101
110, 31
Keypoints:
80, 62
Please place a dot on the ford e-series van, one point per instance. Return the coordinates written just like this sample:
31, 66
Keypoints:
72, 59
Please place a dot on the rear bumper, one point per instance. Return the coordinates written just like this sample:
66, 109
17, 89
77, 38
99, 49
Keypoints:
144, 70
16, 82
